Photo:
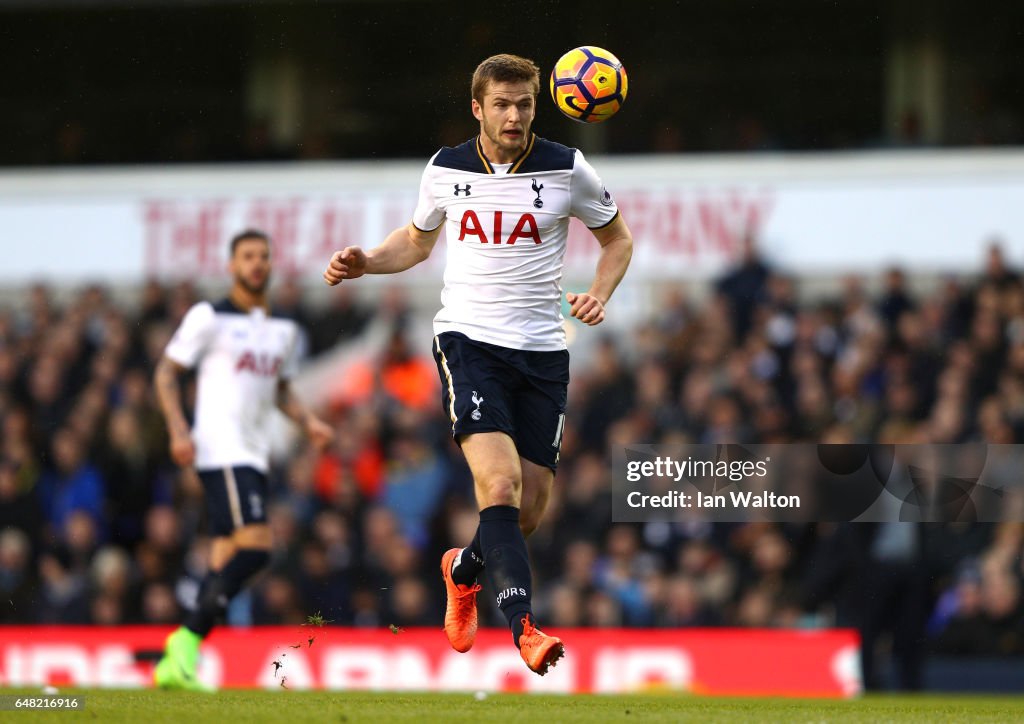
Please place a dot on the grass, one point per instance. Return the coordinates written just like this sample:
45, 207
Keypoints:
295, 707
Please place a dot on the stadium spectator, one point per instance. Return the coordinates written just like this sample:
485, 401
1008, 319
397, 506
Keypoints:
18, 588
895, 298
744, 285
63, 596
73, 484
113, 597
128, 467
997, 271
19, 506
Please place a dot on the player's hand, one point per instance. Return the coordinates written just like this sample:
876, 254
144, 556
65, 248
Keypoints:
586, 307
183, 450
320, 433
349, 263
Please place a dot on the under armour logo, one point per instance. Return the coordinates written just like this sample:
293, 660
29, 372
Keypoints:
476, 414
462, 191
537, 202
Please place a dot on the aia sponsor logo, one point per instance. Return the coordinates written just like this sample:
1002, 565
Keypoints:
257, 363
525, 228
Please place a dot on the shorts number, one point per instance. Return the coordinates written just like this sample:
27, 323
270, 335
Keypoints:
557, 442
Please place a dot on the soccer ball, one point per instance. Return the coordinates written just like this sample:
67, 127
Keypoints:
589, 84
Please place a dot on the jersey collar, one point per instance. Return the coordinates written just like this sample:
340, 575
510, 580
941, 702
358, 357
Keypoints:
515, 164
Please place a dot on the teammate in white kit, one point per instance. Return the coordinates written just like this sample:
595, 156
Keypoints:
246, 357
505, 199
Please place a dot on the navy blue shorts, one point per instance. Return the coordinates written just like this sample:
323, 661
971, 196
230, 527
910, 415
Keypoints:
487, 388
234, 497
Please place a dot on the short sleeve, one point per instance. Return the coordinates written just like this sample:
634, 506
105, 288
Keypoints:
193, 335
427, 216
290, 368
590, 201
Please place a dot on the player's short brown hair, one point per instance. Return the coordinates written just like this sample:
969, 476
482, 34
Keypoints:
246, 235
504, 68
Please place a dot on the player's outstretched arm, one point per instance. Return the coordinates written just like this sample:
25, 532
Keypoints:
168, 394
403, 249
319, 432
616, 250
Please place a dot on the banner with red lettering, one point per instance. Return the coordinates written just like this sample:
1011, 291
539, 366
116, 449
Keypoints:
604, 661
932, 211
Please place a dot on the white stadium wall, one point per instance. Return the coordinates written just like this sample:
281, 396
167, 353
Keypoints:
814, 214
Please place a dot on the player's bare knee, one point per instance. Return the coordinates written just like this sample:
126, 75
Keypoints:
501, 490
255, 537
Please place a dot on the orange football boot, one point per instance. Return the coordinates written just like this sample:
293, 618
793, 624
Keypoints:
460, 614
539, 650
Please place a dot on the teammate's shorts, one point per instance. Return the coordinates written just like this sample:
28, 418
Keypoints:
234, 497
487, 388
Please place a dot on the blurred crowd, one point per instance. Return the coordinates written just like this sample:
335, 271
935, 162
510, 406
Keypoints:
97, 526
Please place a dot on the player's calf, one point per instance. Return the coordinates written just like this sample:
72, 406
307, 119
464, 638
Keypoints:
219, 587
508, 570
529, 520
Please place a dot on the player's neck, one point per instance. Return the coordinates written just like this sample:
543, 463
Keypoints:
246, 300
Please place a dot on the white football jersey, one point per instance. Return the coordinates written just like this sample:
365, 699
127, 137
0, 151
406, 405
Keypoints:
241, 356
507, 226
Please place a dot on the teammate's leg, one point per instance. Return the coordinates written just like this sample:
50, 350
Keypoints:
240, 549
497, 478
233, 562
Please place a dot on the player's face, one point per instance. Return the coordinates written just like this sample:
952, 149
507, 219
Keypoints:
505, 115
250, 265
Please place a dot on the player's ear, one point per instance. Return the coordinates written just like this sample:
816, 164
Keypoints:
478, 112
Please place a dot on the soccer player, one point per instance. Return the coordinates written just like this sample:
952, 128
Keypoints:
246, 357
506, 196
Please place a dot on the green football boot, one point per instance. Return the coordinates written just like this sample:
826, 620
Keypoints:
177, 668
